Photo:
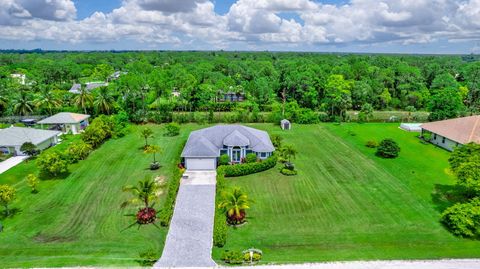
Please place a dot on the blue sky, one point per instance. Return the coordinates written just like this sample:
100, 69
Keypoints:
383, 26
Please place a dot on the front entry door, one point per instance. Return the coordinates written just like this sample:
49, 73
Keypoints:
237, 155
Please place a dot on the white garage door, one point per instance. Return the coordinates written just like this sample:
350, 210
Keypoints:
201, 163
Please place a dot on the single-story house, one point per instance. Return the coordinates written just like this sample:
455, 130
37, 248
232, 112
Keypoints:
75, 89
205, 146
67, 122
449, 134
11, 139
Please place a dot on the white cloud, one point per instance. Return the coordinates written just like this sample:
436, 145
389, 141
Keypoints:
258, 23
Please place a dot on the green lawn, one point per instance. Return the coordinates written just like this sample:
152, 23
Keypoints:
348, 204
77, 221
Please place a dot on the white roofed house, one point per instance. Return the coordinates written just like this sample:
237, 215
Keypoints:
67, 122
12, 139
75, 89
205, 146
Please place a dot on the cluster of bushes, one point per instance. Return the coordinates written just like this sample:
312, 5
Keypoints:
288, 169
463, 219
55, 163
166, 212
371, 144
250, 168
220, 227
240, 257
172, 129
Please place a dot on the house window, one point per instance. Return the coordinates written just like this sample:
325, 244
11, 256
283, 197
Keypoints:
443, 140
434, 136
263, 154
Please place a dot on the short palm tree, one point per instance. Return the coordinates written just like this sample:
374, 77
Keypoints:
144, 194
103, 101
146, 133
234, 203
153, 149
288, 152
22, 104
84, 99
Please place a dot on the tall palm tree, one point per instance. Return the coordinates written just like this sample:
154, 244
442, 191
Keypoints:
84, 99
47, 100
234, 203
145, 192
22, 104
103, 101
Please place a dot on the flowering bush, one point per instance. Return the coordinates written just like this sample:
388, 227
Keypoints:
146, 215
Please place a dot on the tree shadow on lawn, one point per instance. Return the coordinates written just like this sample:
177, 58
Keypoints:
46, 176
444, 196
13, 212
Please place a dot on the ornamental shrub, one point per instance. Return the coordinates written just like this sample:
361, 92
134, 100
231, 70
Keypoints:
30, 149
32, 181
371, 144
251, 158
52, 163
224, 159
148, 258
220, 227
173, 185
250, 168
463, 219
388, 149
288, 172
232, 257
172, 129
78, 150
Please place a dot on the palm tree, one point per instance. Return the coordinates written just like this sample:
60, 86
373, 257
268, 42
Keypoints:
152, 149
3, 101
47, 100
84, 99
145, 192
103, 101
234, 203
288, 152
22, 105
146, 134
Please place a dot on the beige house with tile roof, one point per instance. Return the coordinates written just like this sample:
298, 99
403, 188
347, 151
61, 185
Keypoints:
67, 122
449, 134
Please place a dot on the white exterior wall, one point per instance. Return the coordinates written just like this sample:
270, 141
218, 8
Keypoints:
444, 143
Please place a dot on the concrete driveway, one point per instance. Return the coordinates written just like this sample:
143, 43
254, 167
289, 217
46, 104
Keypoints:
11, 162
189, 239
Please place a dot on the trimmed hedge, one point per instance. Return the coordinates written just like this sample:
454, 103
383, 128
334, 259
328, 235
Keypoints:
166, 212
249, 168
220, 227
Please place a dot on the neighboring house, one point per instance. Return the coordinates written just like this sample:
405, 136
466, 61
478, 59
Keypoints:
205, 146
231, 97
116, 75
67, 122
75, 89
449, 134
11, 139
20, 78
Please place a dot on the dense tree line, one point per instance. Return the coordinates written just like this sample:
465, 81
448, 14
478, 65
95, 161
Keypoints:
161, 82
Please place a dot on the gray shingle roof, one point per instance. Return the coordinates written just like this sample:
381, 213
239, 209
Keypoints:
64, 118
16, 136
208, 142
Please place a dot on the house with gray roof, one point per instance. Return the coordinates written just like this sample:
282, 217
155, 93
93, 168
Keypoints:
205, 146
75, 89
67, 122
11, 139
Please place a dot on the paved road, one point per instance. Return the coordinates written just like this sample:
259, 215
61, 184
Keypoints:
189, 240
11, 162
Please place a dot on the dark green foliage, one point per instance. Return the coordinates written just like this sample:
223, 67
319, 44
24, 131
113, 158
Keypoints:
29, 148
288, 172
232, 257
276, 140
464, 154
463, 219
250, 168
388, 148
173, 185
220, 227
172, 129
224, 159
446, 104
251, 158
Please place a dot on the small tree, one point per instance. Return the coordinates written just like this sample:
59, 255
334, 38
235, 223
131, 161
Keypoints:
32, 181
388, 149
234, 203
152, 149
78, 151
288, 152
463, 219
52, 163
146, 133
29, 148
468, 175
172, 129
7, 196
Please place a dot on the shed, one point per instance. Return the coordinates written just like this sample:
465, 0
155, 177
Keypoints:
285, 124
411, 127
